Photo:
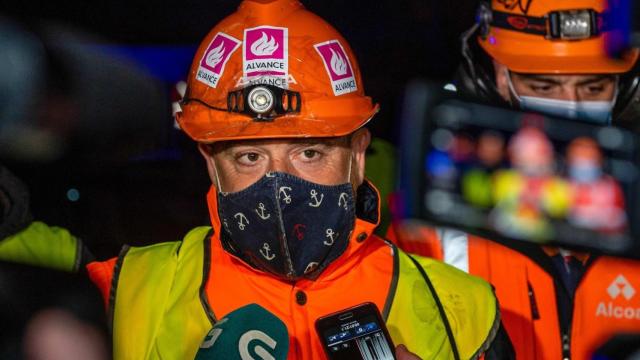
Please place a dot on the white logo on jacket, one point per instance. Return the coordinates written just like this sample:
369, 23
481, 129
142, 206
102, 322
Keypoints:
620, 288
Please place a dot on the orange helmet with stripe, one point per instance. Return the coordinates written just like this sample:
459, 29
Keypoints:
552, 37
273, 69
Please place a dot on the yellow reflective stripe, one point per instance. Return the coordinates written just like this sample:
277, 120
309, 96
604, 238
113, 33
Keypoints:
42, 245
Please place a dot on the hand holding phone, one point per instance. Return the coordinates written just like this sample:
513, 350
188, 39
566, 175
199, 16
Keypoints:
402, 353
356, 333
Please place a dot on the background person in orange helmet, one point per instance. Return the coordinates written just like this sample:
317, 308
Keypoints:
549, 56
552, 57
276, 102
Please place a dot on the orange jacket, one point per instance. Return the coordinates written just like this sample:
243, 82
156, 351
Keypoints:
368, 263
236, 284
605, 302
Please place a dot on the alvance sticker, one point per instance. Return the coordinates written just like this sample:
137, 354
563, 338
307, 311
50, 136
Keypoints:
215, 58
338, 67
266, 53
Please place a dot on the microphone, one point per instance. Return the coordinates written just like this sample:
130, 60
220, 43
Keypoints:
248, 333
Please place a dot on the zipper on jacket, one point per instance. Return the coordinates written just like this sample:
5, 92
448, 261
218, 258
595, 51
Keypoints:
566, 346
566, 332
535, 314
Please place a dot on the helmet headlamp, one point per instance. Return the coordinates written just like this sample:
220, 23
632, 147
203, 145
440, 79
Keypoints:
260, 100
264, 102
573, 25
557, 25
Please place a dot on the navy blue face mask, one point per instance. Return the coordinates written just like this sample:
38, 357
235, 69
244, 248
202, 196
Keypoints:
288, 226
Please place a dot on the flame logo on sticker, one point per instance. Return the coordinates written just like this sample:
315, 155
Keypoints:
336, 62
265, 46
338, 65
215, 55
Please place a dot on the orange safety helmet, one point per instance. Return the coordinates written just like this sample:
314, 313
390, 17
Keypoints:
273, 69
551, 37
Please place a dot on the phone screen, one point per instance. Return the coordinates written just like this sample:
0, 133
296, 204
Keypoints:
507, 175
356, 333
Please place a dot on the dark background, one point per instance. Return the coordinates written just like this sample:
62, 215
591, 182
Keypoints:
161, 196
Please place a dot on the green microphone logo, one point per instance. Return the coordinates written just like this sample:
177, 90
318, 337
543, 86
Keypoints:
251, 335
247, 333
213, 335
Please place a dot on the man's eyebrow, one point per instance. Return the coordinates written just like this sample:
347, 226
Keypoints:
541, 78
226, 145
595, 79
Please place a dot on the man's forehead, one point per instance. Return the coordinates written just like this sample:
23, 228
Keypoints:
332, 141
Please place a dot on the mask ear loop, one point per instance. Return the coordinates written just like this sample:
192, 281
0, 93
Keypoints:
350, 164
614, 100
218, 184
512, 90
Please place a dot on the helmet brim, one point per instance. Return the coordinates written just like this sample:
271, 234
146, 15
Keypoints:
566, 65
197, 121
532, 54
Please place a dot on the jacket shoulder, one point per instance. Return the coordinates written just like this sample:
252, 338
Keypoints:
443, 276
140, 260
178, 249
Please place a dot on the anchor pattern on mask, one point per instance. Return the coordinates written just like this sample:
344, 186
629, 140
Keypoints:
261, 211
242, 220
283, 190
266, 252
314, 196
331, 235
342, 200
310, 267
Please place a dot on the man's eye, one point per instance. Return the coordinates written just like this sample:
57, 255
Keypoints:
310, 154
248, 158
595, 89
541, 88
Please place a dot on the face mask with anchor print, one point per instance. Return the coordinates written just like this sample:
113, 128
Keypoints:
288, 226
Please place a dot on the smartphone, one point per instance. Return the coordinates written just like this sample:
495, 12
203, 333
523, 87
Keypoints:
356, 333
514, 176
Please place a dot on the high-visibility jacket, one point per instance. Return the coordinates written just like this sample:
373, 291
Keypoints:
164, 298
41, 245
528, 286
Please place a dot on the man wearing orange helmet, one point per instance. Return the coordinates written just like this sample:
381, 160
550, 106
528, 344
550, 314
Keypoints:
549, 56
558, 58
276, 103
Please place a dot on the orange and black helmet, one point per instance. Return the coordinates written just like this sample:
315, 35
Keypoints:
552, 37
273, 69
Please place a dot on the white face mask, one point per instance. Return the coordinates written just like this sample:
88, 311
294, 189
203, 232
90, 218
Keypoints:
597, 112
